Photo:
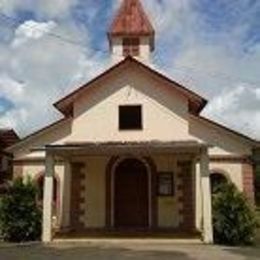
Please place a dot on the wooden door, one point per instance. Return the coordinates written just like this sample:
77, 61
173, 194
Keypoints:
131, 203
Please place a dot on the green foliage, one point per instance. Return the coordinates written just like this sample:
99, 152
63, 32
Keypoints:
20, 217
257, 185
234, 220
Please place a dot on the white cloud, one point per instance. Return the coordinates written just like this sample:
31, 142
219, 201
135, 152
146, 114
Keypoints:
56, 8
31, 30
41, 69
42, 8
10, 88
9, 120
210, 62
238, 108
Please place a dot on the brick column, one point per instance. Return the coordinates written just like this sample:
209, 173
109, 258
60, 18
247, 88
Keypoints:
17, 171
248, 181
77, 198
186, 199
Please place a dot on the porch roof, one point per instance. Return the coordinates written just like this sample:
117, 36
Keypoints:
108, 148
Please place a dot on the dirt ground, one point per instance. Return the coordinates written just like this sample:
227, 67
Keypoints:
125, 251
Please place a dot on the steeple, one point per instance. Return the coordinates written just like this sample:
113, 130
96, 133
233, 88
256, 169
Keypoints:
131, 32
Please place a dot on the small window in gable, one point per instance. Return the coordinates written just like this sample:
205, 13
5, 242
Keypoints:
130, 117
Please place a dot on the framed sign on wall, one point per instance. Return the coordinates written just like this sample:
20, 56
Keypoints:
165, 184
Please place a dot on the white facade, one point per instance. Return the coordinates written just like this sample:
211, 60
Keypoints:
166, 118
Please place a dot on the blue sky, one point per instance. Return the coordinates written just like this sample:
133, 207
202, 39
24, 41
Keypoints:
213, 47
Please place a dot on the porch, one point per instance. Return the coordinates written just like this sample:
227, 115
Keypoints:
146, 189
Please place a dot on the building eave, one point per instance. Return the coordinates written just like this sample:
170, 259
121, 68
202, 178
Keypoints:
251, 141
142, 147
66, 103
36, 133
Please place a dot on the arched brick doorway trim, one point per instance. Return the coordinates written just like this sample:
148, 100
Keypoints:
217, 178
151, 167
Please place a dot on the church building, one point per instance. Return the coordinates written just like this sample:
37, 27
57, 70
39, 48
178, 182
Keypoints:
132, 153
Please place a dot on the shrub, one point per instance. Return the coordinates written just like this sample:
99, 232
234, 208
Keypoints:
234, 219
20, 218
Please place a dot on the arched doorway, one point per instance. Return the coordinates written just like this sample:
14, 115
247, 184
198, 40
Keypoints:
131, 194
217, 179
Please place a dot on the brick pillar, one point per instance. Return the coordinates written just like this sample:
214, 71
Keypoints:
248, 181
186, 199
17, 171
77, 198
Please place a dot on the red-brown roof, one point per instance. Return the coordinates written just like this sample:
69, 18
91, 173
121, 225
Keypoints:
232, 131
8, 137
257, 144
131, 19
37, 132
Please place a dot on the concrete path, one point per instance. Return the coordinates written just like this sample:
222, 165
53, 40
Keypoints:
126, 250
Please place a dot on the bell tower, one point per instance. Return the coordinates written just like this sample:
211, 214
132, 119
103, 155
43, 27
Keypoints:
131, 32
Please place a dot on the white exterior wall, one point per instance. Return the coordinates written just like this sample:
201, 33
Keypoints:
53, 135
232, 171
168, 207
33, 171
159, 108
145, 49
95, 208
95, 185
117, 49
165, 118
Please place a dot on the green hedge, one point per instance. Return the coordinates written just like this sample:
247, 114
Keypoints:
20, 217
234, 219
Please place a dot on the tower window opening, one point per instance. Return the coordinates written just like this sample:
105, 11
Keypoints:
131, 46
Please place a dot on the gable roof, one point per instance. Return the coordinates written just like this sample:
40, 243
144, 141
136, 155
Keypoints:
257, 144
37, 133
196, 102
8, 137
225, 128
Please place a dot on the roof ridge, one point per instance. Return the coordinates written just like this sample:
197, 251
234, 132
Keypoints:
62, 107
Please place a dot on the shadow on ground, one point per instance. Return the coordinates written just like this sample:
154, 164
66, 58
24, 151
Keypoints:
249, 253
93, 253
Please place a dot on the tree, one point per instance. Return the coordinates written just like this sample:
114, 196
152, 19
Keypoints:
20, 217
234, 219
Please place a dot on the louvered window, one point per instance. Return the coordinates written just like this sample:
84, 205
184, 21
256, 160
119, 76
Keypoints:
131, 46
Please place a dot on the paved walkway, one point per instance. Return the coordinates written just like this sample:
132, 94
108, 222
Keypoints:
126, 251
